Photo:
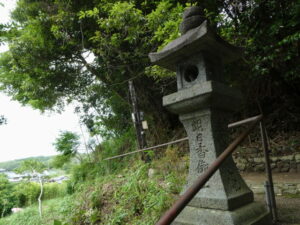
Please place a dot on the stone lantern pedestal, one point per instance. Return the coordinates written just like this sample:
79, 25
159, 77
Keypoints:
204, 105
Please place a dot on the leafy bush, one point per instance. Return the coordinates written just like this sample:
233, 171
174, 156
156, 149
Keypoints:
7, 200
88, 170
26, 193
54, 190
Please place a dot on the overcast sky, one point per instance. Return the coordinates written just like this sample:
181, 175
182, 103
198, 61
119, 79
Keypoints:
28, 132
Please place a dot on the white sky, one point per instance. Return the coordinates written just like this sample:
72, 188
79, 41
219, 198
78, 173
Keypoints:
28, 132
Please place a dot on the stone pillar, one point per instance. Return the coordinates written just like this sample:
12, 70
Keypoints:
204, 105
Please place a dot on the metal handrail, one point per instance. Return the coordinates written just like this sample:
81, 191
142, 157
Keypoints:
180, 204
231, 125
242, 122
269, 183
150, 148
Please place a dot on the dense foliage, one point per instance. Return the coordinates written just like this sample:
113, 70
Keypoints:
2, 120
67, 144
86, 51
25, 194
269, 72
47, 65
6, 197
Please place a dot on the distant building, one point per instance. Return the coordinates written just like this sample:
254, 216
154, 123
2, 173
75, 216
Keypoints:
15, 177
59, 179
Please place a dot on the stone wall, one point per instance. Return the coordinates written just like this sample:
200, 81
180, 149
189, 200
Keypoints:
252, 160
279, 188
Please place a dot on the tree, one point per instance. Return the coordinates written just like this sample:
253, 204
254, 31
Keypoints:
67, 144
269, 72
35, 170
57, 35
47, 64
2, 120
7, 199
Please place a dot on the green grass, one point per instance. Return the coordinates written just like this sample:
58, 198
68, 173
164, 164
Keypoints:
288, 195
129, 196
54, 209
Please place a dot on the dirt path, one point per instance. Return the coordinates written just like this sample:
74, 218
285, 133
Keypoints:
288, 205
277, 177
288, 209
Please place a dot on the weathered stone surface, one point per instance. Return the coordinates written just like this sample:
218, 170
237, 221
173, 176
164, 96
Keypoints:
190, 23
192, 11
287, 157
274, 159
248, 161
293, 170
297, 158
284, 169
250, 214
293, 165
241, 166
151, 173
198, 69
277, 190
290, 189
225, 190
242, 160
258, 189
199, 39
203, 95
204, 105
273, 165
283, 166
259, 160
259, 168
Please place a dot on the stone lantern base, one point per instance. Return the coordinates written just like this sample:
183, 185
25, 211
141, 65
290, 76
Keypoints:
225, 199
250, 214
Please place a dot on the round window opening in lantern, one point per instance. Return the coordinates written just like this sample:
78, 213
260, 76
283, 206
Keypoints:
190, 73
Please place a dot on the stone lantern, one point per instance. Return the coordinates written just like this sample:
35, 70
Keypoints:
204, 104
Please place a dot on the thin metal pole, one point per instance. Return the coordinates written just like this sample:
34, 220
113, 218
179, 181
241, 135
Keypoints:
268, 195
265, 146
150, 148
142, 143
241, 122
179, 205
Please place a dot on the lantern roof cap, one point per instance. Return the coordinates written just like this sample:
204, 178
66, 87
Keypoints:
200, 39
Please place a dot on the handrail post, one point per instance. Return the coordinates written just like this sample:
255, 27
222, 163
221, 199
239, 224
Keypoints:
270, 187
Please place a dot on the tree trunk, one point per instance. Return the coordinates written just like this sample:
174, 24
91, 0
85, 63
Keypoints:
3, 211
41, 194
